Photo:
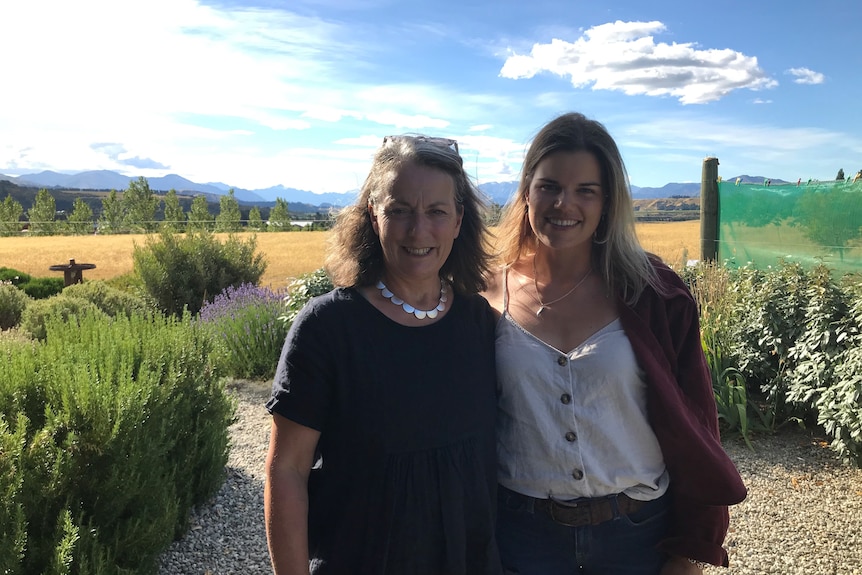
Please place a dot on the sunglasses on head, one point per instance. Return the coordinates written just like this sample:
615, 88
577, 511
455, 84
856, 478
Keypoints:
439, 142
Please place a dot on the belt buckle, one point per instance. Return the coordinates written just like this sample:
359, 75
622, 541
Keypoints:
570, 514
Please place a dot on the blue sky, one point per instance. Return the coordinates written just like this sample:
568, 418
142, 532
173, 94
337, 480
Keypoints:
300, 93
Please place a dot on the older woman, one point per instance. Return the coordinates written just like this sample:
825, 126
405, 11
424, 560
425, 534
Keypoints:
609, 454
381, 456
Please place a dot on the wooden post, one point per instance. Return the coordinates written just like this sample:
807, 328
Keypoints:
709, 210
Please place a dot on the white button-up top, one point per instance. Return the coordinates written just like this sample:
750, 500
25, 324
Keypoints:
574, 424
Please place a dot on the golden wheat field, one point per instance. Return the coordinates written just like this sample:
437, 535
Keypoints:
288, 254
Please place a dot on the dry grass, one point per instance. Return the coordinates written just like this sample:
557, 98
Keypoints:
288, 254
673, 242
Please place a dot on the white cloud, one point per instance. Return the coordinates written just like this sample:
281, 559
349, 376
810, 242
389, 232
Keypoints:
742, 147
761, 101
806, 76
198, 90
624, 56
405, 122
481, 127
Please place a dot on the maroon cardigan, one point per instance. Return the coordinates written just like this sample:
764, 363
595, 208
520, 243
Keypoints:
664, 331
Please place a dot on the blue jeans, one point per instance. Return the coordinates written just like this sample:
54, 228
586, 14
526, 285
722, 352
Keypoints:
532, 543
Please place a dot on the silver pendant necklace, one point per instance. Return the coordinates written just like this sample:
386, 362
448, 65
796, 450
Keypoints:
542, 305
419, 313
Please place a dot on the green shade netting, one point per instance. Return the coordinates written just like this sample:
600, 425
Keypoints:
809, 223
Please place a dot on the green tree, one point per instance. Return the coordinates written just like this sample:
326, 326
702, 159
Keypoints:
113, 214
175, 217
42, 214
10, 216
140, 205
229, 216
80, 221
840, 175
255, 222
279, 217
200, 218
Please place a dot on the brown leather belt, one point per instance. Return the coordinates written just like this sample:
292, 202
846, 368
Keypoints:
587, 511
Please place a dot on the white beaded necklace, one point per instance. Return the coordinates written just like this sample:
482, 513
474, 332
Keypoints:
420, 314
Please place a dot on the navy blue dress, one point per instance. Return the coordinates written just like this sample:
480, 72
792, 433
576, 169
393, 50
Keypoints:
406, 415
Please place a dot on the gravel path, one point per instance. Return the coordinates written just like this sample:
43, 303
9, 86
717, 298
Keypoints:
803, 515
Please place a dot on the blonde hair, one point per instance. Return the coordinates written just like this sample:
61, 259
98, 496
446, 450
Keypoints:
355, 256
623, 264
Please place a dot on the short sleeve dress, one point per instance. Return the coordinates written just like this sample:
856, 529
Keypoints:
406, 415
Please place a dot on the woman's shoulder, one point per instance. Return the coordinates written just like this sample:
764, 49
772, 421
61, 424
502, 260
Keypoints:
494, 292
330, 304
475, 308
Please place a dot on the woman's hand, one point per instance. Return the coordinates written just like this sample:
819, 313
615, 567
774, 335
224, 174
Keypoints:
680, 566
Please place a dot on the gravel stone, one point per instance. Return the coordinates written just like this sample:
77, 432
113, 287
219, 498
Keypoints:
803, 514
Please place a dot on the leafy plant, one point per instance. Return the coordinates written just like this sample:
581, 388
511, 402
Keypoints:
110, 432
41, 288
792, 343
12, 304
302, 289
65, 308
737, 412
769, 318
111, 300
244, 321
185, 272
827, 365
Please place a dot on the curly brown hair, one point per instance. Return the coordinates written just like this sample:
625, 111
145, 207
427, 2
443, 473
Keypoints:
355, 256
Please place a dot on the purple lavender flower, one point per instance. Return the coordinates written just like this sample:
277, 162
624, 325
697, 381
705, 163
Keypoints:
243, 319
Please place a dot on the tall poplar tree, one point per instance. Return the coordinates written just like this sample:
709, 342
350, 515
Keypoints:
175, 217
140, 205
80, 221
255, 222
200, 218
11, 211
42, 214
229, 216
279, 216
113, 214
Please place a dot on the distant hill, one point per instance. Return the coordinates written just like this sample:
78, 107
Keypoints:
64, 200
107, 180
304, 200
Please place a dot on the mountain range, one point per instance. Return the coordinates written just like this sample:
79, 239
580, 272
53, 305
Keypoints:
498, 192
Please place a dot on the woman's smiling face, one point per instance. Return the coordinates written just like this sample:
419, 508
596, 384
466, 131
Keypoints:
565, 199
417, 223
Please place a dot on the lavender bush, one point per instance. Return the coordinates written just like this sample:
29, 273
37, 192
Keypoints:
246, 330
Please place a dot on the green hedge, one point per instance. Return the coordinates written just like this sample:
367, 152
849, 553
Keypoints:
111, 300
111, 430
37, 288
784, 345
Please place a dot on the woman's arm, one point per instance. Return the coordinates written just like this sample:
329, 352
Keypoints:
288, 464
